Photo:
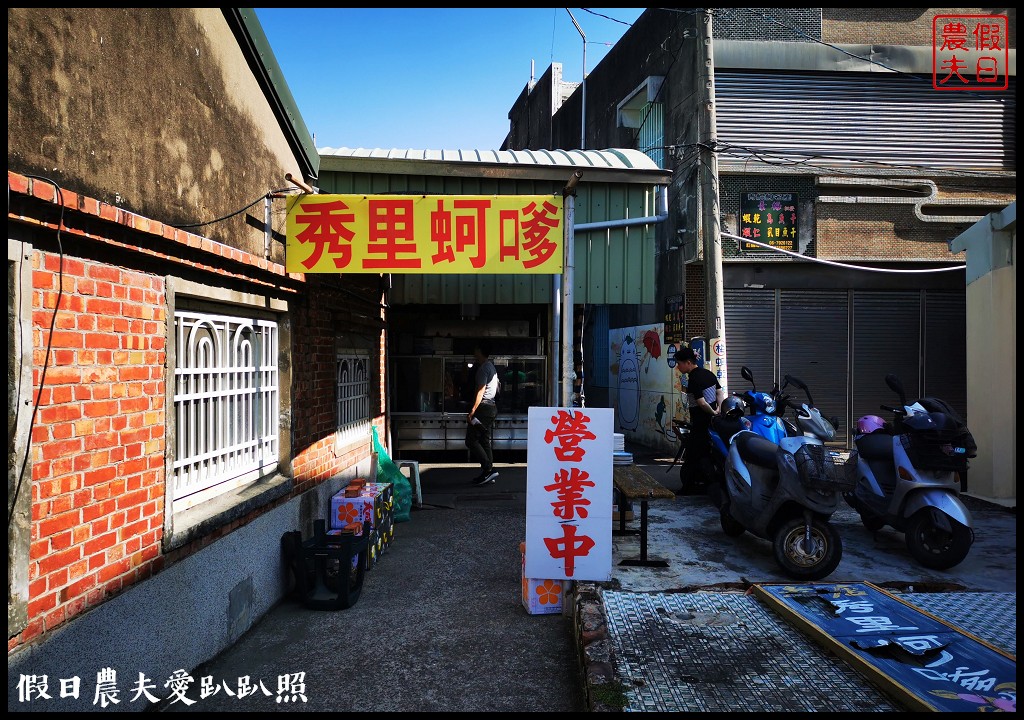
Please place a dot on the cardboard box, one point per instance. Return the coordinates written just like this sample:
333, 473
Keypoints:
541, 597
374, 503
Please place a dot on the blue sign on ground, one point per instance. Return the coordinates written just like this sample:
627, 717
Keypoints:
921, 660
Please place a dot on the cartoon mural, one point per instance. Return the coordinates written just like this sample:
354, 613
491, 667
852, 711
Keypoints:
645, 386
628, 384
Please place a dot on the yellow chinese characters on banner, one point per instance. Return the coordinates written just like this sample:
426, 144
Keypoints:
421, 234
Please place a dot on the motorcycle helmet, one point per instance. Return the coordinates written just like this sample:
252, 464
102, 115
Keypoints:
869, 424
732, 407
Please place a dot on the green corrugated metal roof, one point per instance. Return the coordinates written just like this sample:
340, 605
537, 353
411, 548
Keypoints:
612, 165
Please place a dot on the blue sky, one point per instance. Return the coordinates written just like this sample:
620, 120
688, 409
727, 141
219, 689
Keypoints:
427, 79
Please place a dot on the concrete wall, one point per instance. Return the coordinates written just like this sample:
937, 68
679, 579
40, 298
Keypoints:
992, 353
190, 612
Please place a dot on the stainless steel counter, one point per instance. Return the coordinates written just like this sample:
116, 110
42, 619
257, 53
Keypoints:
447, 431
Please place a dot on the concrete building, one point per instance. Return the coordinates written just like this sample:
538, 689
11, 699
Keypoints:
991, 245
157, 347
838, 117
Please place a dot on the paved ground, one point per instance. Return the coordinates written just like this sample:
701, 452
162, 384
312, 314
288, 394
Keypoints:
440, 627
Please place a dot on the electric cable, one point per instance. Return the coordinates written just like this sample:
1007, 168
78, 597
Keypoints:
46, 358
838, 264
264, 196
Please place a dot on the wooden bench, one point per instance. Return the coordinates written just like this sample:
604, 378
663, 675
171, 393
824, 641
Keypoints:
632, 483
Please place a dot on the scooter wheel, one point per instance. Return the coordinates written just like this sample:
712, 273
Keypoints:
730, 525
803, 559
934, 547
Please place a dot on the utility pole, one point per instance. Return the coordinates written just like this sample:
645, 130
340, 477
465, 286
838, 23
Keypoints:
711, 219
583, 85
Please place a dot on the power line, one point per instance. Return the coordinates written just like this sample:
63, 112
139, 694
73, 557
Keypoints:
846, 266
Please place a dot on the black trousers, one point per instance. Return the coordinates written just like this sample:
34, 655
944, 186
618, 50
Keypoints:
478, 437
696, 458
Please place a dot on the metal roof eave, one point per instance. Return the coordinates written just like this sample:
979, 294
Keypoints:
256, 47
610, 166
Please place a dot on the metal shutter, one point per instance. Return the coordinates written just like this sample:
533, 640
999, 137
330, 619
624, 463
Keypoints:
945, 348
813, 346
886, 339
750, 337
853, 118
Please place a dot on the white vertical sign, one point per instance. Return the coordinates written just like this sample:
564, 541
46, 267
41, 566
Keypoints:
569, 493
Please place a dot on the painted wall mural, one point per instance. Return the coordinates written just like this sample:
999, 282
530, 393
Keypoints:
645, 386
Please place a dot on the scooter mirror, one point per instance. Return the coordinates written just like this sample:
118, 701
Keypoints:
897, 387
835, 422
747, 375
803, 386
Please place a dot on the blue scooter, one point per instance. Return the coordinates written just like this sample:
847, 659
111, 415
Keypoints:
759, 412
786, 492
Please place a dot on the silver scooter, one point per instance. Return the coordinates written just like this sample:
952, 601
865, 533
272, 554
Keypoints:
787, 492
908, 478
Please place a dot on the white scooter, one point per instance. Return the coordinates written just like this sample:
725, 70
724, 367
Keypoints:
908, 478
787, 492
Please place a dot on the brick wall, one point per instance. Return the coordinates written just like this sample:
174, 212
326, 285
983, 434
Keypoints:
98, 439
98, 436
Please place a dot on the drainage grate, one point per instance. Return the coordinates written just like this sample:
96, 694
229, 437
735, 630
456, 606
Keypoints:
725, 652
711, 652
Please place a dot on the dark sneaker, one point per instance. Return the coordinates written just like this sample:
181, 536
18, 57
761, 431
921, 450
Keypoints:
486, 479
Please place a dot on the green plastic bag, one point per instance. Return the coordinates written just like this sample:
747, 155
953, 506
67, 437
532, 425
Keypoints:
388, 472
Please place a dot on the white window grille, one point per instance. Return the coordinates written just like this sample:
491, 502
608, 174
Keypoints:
226, 400
353, 396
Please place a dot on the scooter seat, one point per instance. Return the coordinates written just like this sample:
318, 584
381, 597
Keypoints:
876, 446
756, 450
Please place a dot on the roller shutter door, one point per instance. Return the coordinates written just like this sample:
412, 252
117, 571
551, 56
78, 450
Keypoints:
814, 346
750, 337
945, 348
886, 339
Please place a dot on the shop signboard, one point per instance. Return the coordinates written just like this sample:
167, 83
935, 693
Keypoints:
675, 320
569, 493
929, 664
425, 234
769, 218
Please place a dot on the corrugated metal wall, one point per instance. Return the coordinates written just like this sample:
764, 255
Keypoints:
843, 343
852, 119
612, 266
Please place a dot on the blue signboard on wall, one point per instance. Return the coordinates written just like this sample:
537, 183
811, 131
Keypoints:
921, 660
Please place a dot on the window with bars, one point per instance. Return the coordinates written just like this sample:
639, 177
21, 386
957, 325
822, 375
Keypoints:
353, 395
226, 404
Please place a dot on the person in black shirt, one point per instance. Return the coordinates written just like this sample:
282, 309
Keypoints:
483, 413
705, 395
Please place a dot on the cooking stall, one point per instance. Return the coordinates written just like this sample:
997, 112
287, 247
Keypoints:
432, 381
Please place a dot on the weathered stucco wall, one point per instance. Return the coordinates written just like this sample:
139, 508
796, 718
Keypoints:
101, 101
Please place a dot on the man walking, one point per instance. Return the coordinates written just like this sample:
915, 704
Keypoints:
482, 414
705, 395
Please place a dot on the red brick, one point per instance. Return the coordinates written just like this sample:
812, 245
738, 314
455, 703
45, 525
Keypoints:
18, 183
56, 523
98, 408
100, 543
104, 272
42, 604
101, 340
100, 475
81, 587
62, 449
135, 528
54, 618
63, 375
113, 570
60, 413
58, 578
57, 560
